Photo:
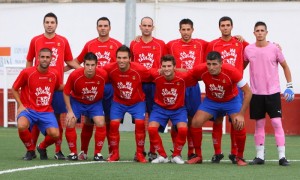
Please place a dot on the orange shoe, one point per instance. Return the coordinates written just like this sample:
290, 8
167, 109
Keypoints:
113, 157
140, 158
195, 160
241, 162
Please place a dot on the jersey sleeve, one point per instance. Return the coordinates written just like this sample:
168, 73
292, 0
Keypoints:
68, 52
81, 55
69, 83
31, 50
20, 81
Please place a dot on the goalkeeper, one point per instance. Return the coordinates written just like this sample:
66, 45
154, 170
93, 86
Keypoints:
264, 58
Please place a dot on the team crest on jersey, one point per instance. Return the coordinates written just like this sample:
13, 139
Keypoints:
111, 47
236, 44
224, 81
178, 83
58, 44
133, 78
153, 47
50, 80
98, 82
195, 46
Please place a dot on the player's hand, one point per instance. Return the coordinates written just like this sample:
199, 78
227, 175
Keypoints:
239, 122
289, 94
239, 38
20, 109
70, 118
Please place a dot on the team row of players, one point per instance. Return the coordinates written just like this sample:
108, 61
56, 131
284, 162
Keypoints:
146, 50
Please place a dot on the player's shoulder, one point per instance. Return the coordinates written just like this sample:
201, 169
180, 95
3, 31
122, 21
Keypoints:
174, 41
158, 40
37, 37
112, 40
61, 37
198, 40
94, 40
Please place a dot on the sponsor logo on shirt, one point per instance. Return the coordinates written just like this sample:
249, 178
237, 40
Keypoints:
187, 59
146, 60
103, 59
170, 97
43, 96
229, 56
125, 90
217, 91
89, 94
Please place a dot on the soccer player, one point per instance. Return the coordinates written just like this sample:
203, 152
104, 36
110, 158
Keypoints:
104, 47
37, 86
222, 97
83, 94
232, 51
264, 58
147, 51
169, 104
61, 53
188, 53
126, 78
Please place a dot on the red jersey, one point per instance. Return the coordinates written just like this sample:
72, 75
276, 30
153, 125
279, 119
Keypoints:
187, 55
60, 48
128, 85
105, 51
86, 90
232, 52
148, 54
222, 87
37, 88
171, 94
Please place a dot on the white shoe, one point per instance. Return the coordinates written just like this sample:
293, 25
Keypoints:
160, 159
177, 160
82, 156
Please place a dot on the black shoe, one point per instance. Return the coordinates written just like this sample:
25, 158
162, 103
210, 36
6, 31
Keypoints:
191, 156
151, 156
257, 161
98, 157
29, 155
135, 159
232, 158
43, 153
217, 158
72, 157
59, 156
283, 162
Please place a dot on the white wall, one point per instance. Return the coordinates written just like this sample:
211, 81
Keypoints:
77, 21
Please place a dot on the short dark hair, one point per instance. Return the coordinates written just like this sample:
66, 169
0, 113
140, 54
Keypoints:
225, 18
103, 19
186, 21
50, 14
166, 58
90, 56
260, 23
214, 55
45, 50
124, 48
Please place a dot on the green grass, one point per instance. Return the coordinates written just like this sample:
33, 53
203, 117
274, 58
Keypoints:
12, 150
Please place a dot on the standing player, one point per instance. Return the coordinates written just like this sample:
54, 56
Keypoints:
61, 53
232, 52
264, 58
147, 52
188, 53
37, 86
104, 47
83, 94
169, 104
222, 97
126, 78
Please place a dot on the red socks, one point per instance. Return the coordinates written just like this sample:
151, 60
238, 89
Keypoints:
35, 132
197, 140
140, 135
217, 137
71, 137
180, 141
59, 140
85, 136
26, 138
156, 142
99, 138
114, 136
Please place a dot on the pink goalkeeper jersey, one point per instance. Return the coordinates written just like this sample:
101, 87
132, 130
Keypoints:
37, 88
222, 87
105, 51
187, 55
148, 54
60, 47
128, 85
264, 77
171, 94
86, 90
232, 52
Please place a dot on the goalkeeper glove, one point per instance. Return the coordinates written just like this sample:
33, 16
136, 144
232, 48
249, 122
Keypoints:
289, 92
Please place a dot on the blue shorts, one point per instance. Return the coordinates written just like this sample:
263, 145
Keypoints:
118, 110
58, 103
87, 110
107, 98
162, 116
149, 90
43, 120
218, 109
192, 99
